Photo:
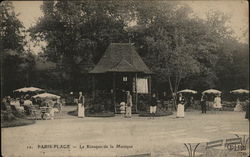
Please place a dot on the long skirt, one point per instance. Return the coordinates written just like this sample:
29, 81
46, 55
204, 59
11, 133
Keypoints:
52, 113
238, 108
180, 111
128, 112
81, 110
217, 105
247, 112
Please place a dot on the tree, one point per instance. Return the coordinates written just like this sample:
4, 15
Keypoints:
180, 48
12, 30
15, 63
77, 34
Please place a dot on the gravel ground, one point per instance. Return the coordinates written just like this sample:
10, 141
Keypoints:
116, 136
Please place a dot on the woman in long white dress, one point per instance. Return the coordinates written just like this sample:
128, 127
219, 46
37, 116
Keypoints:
238, 107
129, 105
217, 102
81, 109
180, 107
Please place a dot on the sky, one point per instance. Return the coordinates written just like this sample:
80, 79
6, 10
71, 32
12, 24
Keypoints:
238, 10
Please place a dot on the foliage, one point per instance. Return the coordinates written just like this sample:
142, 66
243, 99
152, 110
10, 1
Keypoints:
157, 114
17, 122
101, 114
16, 62
11, 118
17, 70
12, 30
178, 46
181, 49
100, 104
77, 34
7, 116
94, 114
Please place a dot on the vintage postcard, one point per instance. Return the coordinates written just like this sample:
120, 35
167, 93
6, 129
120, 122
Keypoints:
116, 78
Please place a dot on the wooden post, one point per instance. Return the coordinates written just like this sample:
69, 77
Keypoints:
136, 94
93, 87
114, 92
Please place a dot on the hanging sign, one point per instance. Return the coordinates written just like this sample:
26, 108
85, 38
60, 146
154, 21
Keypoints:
125, 79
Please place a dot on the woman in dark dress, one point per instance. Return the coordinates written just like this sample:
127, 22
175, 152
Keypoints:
203, 103
247, 110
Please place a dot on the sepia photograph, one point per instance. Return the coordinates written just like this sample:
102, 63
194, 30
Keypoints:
124, 78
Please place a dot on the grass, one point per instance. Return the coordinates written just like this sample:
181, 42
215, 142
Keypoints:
16, 122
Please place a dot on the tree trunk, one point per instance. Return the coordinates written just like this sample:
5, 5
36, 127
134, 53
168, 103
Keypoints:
174, 89
173, 93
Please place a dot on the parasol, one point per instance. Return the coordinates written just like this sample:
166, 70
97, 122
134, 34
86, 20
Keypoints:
188, 91
28, 89
211, 91
240, 91
47, 95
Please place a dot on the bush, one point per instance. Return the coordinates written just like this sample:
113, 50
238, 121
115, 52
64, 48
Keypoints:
158, 114
101, 114
143, 102
94, 114
7, 116
100, 104
8, 119
16, 122
18, 114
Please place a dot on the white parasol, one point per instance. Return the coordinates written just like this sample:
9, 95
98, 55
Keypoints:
240, 91
187, 91
28, 89
47, 95
211, 91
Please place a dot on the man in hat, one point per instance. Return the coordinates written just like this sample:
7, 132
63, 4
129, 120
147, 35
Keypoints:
153, 105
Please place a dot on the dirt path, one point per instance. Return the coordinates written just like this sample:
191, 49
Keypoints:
117, 136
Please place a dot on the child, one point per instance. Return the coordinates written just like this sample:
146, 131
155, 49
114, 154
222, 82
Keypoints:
122, 108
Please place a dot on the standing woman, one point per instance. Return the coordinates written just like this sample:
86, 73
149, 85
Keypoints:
203, 103
247, 116
81, 109
238, 106
217, 102
180, 107
129, 105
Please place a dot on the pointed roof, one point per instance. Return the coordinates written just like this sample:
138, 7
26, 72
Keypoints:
121, 57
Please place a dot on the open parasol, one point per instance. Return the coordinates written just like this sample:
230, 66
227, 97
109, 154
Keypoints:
211, 91
240, 91
28, 89
187, 91
47, 95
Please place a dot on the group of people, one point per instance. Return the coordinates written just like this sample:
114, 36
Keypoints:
217, 105
126, 107
26, 104
21, 104
181, 104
